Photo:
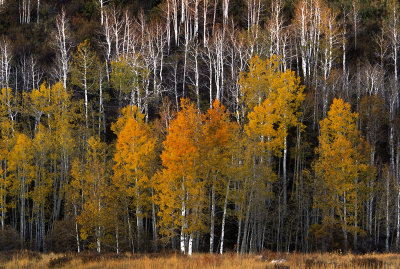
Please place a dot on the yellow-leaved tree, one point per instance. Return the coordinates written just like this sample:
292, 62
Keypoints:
21, 175
38, 102
8, 111
60, 120
43, 183
88, 190
342, 169
273, 98
134, 167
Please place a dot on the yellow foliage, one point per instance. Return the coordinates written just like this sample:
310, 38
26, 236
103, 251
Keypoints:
342, 167
134, 156
273, 98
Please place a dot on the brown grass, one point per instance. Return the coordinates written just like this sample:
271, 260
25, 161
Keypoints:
28, 259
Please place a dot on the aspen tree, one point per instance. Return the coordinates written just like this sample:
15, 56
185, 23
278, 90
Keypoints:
21, 170
8, 112
38, 100
373, 117
84, 73
6, 144
94, 173
180, 191
342, 166
272, 93
101, 4
133, 165
62, 44
5, 63
42, 185
216, 135
60, 119
127, 77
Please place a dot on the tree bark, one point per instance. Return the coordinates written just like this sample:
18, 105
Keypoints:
223, 219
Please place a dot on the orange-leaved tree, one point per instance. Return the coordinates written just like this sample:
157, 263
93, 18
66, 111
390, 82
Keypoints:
216, 138
180, 189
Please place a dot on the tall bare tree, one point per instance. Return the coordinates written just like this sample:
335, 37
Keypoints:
62, 44
5, 60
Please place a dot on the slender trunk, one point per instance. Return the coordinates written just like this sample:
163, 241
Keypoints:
212, 218
197, 77
387, 212
86, 99
355, 243
117, 237
176, 84
139, 217
215, 14
98, 244
175, 21
398, 221
344, 227
37, 11
4, 197
78, 245
22, 210
210, 78
196, 18
130, 234
246, 225
154, 224
182, 239
42, 229
284, 175
205, 11
239, 233
101, 110
223, 219
190, 248
184, 67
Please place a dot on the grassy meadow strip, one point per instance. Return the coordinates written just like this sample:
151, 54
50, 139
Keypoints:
86, 260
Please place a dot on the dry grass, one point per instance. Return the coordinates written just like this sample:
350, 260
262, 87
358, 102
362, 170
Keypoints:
27, 259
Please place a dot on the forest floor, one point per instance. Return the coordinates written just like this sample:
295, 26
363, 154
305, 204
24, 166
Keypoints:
28, 259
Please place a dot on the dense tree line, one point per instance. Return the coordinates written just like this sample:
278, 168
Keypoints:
200, 125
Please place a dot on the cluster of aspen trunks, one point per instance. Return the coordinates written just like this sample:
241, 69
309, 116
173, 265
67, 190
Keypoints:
203, 125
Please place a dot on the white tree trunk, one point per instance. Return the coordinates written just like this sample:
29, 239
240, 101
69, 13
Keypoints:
284, 174
190, 248
37, 11
183, 237
78, 245
212, 222
117, 237
223, 219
